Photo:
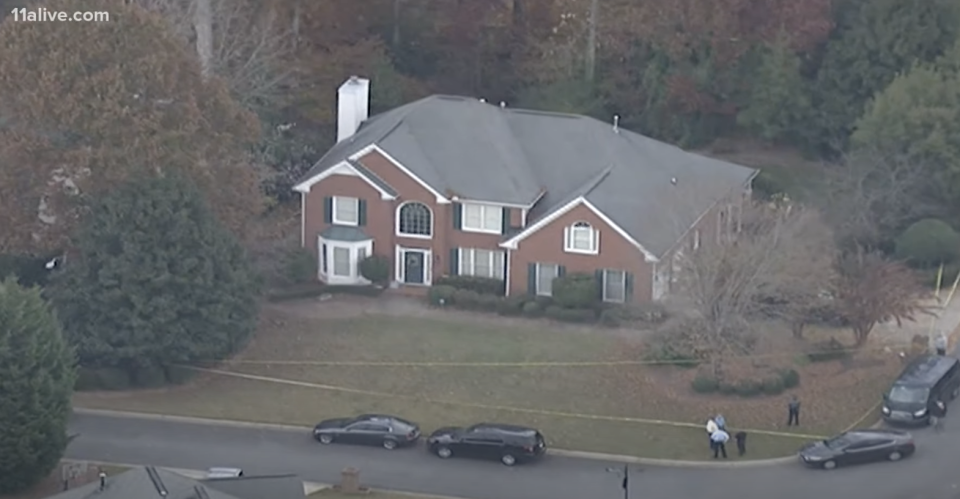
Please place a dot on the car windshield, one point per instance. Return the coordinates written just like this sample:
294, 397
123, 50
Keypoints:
908, 394
837, 442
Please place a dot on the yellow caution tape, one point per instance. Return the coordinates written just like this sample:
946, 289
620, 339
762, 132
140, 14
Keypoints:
488, 407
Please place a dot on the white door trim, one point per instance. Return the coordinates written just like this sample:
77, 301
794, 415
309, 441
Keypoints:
427, 265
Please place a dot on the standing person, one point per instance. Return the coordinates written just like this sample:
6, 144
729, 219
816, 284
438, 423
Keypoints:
940, 344
721, 422
938, 411
719, 440
711, 427
793, 411
741, 438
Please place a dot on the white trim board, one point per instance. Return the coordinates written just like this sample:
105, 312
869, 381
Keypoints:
440, 198
341, 168
543, 222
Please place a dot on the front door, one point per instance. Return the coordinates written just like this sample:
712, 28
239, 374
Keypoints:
413, 267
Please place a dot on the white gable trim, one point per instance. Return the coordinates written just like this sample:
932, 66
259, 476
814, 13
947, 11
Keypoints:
513, 241
459, 199
441, 199
341, 168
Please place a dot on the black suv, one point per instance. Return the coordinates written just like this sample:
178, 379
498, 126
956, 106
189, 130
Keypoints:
368, 429
506, 443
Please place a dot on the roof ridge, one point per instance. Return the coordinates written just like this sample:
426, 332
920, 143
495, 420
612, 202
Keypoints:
597, 180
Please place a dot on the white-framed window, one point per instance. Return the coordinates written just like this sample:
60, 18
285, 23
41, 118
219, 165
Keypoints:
546, 273
614, 286
482, 218
481, 263
581, 237
414, 219
341, 261
346, 211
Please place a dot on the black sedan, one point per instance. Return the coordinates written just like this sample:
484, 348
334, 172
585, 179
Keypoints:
389, 432
857, 447
508, 444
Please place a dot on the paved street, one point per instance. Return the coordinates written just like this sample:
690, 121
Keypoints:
931, 474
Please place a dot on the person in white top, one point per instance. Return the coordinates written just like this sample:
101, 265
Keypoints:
712, 427
940, 344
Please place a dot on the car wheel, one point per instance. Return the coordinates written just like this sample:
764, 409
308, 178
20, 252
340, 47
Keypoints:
829, 465
444, 452
508, 460
389, 444
895, 456
325, 439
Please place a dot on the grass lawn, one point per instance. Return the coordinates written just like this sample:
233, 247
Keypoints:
834, 395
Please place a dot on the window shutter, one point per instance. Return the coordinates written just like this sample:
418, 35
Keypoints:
328, 210
454, 261
361, 212
505, 226
628, 287
532, 279
599, 276
457, 216
561, 271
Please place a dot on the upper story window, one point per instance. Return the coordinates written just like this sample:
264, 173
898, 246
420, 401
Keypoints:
581, 237
414, 219
346, 211
482, 218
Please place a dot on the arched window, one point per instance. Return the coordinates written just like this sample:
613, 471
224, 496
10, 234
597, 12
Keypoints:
414, 219
580, 237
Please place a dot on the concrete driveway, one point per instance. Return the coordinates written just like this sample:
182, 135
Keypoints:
931, 474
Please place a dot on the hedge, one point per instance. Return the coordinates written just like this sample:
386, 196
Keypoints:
771, 384
481, 285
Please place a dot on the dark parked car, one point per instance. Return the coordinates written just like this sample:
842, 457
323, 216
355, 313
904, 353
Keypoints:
506, 443
368, 429
857, 447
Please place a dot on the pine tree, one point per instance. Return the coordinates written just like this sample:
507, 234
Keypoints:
37, 372
157, 281
778, 103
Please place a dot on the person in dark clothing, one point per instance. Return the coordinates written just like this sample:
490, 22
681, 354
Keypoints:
793, 411
741, 438
938, 411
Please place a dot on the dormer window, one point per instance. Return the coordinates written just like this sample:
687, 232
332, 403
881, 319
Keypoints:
581, 237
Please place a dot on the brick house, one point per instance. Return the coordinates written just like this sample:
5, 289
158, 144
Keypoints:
456, 186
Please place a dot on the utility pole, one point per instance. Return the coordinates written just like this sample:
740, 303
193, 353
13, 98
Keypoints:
591, 58
625, 479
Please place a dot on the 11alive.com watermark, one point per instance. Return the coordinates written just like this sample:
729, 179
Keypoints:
40, 14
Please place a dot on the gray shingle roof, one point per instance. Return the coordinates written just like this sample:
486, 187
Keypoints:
484, 152
137, 484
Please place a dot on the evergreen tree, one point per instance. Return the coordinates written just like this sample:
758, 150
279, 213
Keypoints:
157, 280
778, 103
37, 372
873, 42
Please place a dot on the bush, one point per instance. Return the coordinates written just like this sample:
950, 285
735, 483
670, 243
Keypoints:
749, 388
466, 299
676, 345
772, 385
87, 380
376, 269
113, 378
300, 266
481, 285
149, 377
790, 378
651, 313
441, 294
826, 351
179, 375
726, 388
488, 303
532, 309
575, 315
575, 291
612, 317
704, 383
512, 305
927, 243
298, 292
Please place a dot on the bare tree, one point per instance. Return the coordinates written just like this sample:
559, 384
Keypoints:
782, 252
870, 290
872, 195
240, 41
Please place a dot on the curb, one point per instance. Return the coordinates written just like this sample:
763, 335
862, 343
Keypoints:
594, 456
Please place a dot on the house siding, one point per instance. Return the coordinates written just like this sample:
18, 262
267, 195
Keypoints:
546, 245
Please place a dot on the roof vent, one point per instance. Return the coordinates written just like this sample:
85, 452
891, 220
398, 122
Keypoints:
503, 104
616, 123
673, 180
483, 100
